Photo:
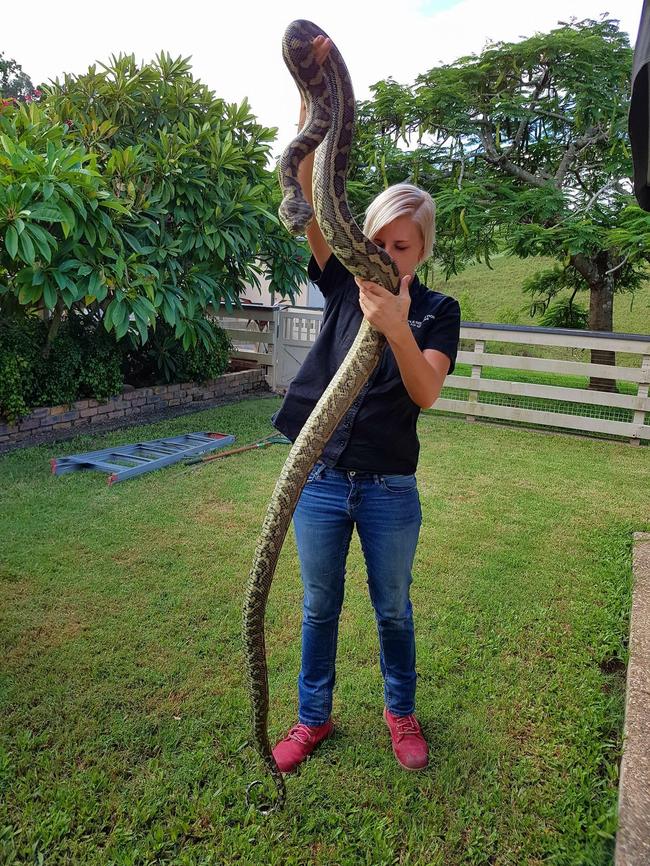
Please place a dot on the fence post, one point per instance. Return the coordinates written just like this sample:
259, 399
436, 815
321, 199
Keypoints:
642, 394
272, 375
472, 397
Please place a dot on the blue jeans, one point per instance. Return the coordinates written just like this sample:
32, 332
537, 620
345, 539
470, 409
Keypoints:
386, 511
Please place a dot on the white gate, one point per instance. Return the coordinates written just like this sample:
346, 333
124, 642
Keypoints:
297, 329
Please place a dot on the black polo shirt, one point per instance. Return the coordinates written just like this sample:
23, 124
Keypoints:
378, 433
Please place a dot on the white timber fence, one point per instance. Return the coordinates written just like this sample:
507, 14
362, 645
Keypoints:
512, 373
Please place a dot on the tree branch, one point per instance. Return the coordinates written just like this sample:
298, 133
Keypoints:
575, 149
53, 329
541, 84
554, 114
492, 156
619, 265
582, 184
596, 194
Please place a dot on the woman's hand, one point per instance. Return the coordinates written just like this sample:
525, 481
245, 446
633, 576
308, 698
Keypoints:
386, 312
322, 46
423, 372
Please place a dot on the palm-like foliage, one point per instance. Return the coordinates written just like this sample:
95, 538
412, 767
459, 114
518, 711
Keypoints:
135, 190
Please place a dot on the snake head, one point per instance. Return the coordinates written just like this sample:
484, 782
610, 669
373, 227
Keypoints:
295, 214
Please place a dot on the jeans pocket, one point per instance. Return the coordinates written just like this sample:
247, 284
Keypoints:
399, 483
315, 473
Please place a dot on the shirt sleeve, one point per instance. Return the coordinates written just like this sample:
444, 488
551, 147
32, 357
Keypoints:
331, 278
443, 332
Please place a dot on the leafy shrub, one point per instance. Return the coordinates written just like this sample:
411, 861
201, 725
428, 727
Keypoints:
163, 359
82, 360
21, 342
150, 202
565, 313
203, 363
12, 398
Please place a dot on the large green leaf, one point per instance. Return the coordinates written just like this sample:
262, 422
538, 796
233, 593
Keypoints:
101, 291
43, 240
122, 328
47, 213
26, 248
30, 294
90, 232
49, 296
11, 241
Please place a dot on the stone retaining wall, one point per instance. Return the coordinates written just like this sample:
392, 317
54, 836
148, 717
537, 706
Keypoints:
138, 402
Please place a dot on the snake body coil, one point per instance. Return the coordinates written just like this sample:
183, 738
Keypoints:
328, 95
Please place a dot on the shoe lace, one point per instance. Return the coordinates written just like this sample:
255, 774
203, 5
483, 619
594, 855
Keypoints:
300, 733
407, 725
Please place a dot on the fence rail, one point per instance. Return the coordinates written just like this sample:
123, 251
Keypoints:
524, 375
251, 329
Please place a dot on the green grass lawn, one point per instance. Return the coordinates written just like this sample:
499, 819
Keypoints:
125, 711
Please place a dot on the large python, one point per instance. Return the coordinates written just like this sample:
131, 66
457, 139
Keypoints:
329, 128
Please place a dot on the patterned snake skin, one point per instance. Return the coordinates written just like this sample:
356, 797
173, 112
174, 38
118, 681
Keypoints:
327, 92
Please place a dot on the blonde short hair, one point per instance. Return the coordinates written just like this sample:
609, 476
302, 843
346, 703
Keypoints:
403, 199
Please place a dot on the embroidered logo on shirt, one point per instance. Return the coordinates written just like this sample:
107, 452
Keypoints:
415, 324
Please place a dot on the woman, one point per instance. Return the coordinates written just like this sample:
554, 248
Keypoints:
365, 477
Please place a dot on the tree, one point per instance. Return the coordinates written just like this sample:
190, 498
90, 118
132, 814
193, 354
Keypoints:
134, 192
525, 149
14, 83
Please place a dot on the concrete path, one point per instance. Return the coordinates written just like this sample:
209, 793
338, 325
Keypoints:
633, 837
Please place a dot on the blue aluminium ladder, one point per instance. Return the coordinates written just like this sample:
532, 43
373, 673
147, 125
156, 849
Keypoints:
125, 461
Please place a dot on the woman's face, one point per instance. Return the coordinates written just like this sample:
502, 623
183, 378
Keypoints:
402, 240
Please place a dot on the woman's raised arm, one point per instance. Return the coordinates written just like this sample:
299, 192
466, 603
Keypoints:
317, 243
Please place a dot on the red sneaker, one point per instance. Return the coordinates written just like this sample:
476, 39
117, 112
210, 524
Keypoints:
299, 743
409, 745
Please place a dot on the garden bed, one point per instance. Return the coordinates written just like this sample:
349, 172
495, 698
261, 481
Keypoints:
50, 423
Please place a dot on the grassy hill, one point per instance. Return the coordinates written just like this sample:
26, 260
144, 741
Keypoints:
495, 295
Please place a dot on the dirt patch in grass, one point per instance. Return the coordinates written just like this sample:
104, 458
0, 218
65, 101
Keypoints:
222, 513
58, 626
15, 577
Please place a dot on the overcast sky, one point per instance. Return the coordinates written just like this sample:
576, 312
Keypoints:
235, 45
